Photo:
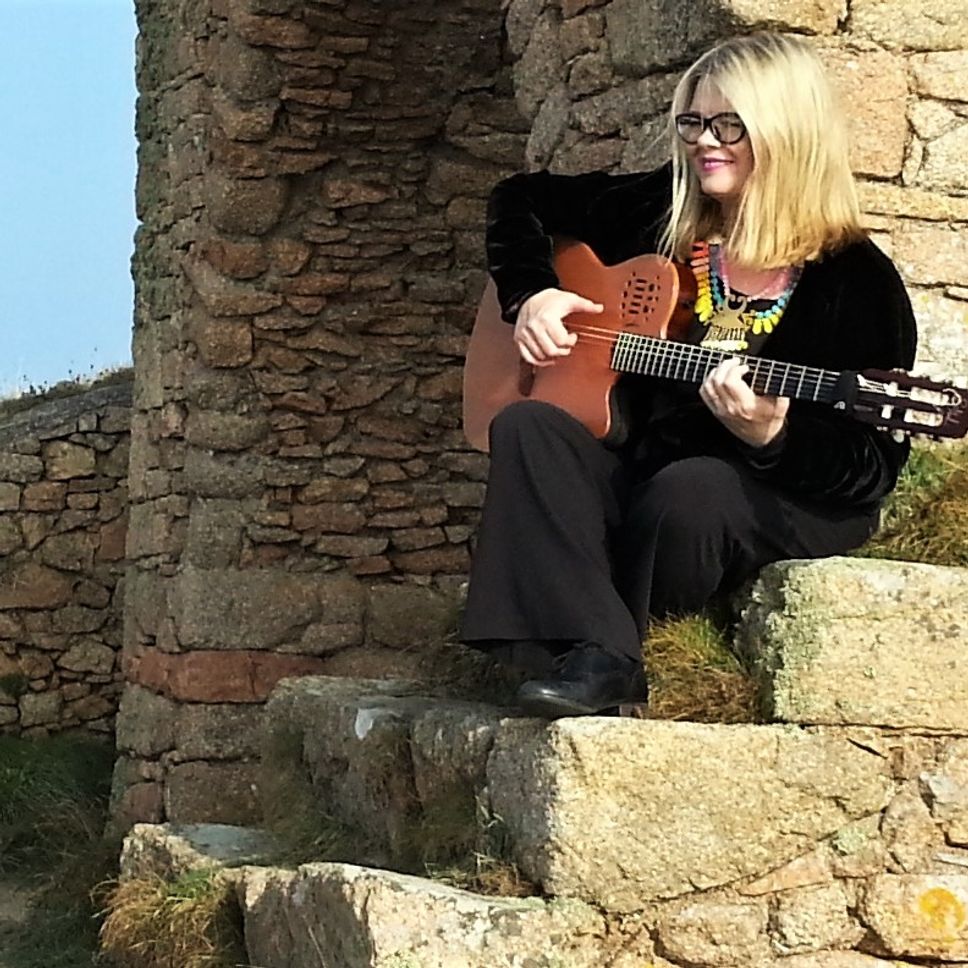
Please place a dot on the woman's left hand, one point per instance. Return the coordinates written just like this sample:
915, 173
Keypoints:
755, 419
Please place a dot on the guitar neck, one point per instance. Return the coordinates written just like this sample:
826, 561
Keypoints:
650, 356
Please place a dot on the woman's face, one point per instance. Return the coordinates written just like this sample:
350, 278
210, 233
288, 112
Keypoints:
722, 169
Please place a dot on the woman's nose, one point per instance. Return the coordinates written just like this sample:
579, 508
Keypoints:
707, 137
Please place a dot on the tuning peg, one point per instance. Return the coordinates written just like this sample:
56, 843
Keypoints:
898, 436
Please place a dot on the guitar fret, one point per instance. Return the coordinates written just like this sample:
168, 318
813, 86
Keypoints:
667, 359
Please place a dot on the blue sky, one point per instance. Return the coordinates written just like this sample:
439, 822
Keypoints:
67, 168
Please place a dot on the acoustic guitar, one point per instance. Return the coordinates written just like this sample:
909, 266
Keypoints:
648, 306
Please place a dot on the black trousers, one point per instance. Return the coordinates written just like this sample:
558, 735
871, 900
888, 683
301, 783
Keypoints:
574, 545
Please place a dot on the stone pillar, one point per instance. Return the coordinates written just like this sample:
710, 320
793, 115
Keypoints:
311, 190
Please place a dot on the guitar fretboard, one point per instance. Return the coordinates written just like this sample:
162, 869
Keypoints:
650, 356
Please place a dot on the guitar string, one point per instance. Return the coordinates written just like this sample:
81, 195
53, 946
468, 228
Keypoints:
669, 356
675, 353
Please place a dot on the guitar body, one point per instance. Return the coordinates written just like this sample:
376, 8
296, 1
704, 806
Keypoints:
648, 295
648, 304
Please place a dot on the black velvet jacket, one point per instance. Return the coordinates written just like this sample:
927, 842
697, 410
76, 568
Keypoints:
849, 311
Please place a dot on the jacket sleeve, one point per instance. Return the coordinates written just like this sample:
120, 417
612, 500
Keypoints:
825, 454
524, 212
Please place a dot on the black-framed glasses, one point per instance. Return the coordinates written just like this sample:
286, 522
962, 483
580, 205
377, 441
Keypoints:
727, 127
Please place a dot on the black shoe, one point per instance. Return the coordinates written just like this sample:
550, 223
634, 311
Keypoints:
590, 682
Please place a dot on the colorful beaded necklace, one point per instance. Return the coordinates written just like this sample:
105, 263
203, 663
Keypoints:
722, 310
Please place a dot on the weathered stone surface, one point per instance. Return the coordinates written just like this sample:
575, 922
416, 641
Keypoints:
64, 460
921, 916
9, 496
379, 918
245, 206
942, 324
944, 167
847, 640
812, 869
871, 84
540, 67
40, 709
226, 297
256, 608
380, 756
32, 585
210, 731
887, 199
145, 723
71, 552
910, 833
214, 536
714, 933
170, 850
923, 25
223, 342
812, 918
942, 75
947, 792
20, 468
201, 676
11, 537
408, 615
833, 959
930, 254
226, 431
820, 18
189, 791
88, 656
591, 811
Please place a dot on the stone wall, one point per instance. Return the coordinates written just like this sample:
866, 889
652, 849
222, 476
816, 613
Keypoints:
834, 836
595, 78
63, 519
311, 187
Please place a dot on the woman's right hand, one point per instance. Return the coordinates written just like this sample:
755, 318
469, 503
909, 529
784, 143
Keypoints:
540, 331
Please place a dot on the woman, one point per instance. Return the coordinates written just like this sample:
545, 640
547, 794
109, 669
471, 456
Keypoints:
579, 543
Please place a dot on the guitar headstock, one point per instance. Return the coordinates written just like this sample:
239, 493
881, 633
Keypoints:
898, 401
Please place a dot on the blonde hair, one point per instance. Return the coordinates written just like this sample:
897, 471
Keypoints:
799, 199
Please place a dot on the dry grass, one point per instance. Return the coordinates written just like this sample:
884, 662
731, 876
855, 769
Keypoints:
31, 396
926, 518
192, 922
694, 676
53, 807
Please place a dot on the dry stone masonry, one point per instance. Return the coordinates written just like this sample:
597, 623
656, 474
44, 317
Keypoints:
312, 184
823, 840
311, 189
63, 521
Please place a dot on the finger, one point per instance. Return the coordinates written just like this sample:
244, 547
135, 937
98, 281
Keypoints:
579, 304
527, 341
529, 357
550, 339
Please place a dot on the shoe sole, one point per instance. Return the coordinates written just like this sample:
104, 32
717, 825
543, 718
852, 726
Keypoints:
558, 709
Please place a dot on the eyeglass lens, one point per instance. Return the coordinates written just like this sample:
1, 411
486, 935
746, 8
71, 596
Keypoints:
727, 128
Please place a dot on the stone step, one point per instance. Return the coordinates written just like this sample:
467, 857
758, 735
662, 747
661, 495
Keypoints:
860, 642
347, 916
616, 813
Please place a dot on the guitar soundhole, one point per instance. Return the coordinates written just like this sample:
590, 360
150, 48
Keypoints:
639, 299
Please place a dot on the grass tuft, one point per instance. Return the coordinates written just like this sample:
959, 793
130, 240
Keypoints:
53, 807
926, 517
694, 676
191, 922
53, 798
